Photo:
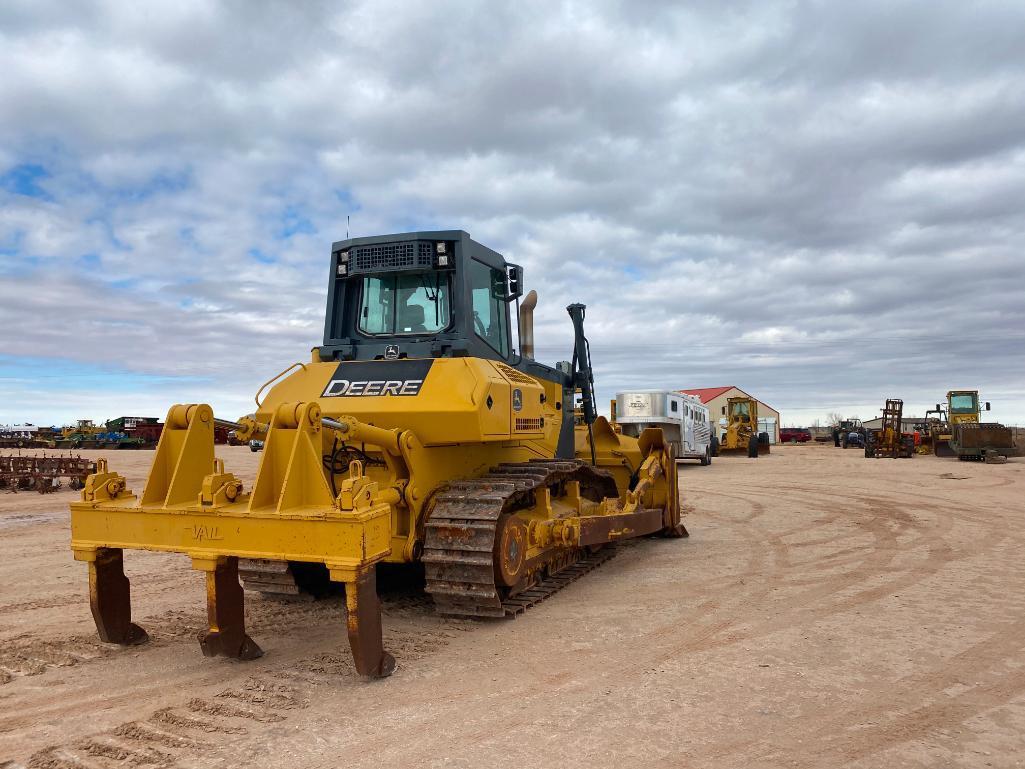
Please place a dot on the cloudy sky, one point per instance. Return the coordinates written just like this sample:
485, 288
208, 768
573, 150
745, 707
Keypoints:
818, 202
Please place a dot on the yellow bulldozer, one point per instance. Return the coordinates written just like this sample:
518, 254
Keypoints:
414, 433
741, 436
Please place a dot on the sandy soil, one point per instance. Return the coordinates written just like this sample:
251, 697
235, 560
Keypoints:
827, 611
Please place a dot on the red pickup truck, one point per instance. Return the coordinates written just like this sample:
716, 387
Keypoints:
794, 435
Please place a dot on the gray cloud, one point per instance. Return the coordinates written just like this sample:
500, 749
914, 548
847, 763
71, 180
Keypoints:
817, 202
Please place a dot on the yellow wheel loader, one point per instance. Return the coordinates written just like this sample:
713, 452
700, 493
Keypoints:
414, 433
741, 436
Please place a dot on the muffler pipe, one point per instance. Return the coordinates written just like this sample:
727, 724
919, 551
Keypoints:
527, 324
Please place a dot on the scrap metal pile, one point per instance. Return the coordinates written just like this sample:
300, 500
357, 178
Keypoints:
43, 473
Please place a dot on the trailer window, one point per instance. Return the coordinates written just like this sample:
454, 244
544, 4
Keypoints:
674, 405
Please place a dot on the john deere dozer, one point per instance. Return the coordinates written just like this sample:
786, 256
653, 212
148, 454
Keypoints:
415, 433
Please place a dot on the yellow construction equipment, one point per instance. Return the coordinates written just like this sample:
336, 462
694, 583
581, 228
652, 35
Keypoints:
890, 440
414, 433
965, 435
741, 436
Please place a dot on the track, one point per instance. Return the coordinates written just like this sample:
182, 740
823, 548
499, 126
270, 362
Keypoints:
460, 544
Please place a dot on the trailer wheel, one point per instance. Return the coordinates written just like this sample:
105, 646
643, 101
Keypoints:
752, 447
713, 446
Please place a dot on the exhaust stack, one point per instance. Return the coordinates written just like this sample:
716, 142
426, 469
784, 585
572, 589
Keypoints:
527, 324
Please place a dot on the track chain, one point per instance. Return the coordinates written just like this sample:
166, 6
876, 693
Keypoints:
460, 536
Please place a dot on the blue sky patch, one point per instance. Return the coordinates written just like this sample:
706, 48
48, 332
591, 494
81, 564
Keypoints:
632, 272
294, 222
64, 374
24, 180
261, 257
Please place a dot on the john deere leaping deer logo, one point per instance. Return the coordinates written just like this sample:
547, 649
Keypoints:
203, 533
517, 398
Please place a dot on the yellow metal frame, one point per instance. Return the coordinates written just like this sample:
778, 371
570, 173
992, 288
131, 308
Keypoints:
190, 505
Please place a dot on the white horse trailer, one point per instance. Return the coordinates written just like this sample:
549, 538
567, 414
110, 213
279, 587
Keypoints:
683, 419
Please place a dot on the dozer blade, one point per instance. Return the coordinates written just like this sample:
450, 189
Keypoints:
942, 449
734, 452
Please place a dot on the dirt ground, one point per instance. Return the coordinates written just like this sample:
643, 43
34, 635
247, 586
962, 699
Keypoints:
827, 611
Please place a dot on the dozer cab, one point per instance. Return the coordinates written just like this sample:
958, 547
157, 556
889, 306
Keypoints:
741, 436
414, 433
966, 436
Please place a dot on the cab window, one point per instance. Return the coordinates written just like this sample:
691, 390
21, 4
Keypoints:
741, 411
963, 404
404, 304
488, 291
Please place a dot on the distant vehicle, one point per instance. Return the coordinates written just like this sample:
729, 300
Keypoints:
255, 445
739, 426
842, 431
683, 419
969, 438
794, 435
855, 439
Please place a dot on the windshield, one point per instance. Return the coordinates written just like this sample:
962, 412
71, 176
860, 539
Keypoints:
405, 304
740, 409
963, 404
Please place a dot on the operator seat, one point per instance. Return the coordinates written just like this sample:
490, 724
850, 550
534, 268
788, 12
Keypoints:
412, 319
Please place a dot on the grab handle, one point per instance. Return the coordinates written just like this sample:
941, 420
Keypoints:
275, 378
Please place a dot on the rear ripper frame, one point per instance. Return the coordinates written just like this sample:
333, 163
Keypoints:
190, 505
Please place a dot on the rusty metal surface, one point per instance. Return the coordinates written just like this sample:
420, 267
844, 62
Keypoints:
363, 625
43, 473
225, 609
110, 599
607, 528
984, 435
463, 537
268, 577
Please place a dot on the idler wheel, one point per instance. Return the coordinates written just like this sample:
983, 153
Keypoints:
510, 550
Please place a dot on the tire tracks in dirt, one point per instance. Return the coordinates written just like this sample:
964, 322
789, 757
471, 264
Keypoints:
31, 655
208, 726
856, 732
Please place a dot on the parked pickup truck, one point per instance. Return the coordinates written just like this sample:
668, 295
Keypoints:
794, 435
